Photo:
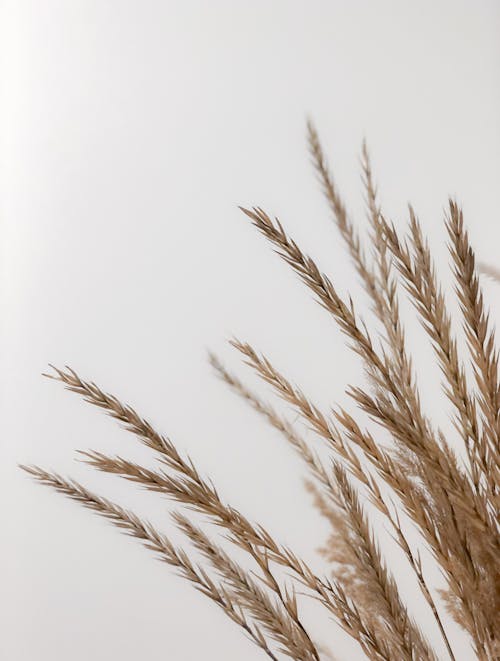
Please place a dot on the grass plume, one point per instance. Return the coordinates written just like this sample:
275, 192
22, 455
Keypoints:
436, 492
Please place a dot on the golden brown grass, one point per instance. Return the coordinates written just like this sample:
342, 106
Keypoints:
439, 488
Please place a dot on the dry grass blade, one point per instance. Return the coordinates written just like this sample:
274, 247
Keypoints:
324, 291
398, 417
387, 309
198, 497
386, 303
341, 218
245, 590
396, 407
254, 540
192, 490
394, 412
331, 489
421, 283
480, 338
365, 575
156, 542
278, 422
326, 428
389, 471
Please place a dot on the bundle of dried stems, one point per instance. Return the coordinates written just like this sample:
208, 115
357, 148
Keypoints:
446, 489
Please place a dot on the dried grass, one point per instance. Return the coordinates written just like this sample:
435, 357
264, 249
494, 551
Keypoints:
444, 487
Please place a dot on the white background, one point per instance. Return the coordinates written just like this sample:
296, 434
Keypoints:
130, 132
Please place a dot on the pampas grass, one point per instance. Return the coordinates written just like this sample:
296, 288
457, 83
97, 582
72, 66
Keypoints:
440, 489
